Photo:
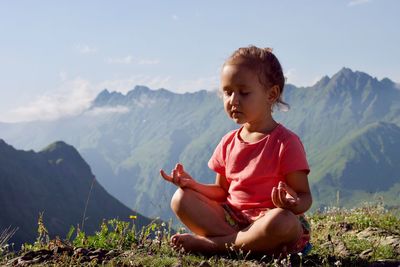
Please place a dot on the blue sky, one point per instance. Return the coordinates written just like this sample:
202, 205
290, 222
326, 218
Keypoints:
57, 55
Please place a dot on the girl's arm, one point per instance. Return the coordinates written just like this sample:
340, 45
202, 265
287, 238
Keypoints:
217, 191
295, 195
181, 178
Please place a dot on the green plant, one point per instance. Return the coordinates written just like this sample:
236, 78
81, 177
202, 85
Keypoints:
113, 234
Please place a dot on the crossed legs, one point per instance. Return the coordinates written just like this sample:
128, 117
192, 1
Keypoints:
211, 233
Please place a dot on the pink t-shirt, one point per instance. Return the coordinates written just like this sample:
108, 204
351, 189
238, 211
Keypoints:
253, 169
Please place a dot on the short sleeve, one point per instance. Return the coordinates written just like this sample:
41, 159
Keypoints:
217, 160
293, 157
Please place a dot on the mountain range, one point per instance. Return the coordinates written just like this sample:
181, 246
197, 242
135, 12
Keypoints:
349, 124
58, 183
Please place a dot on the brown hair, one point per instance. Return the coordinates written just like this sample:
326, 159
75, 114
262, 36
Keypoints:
266, 64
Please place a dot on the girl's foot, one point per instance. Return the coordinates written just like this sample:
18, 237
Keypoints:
193, 243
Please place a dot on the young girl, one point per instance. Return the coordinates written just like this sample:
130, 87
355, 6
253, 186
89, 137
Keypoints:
261, 189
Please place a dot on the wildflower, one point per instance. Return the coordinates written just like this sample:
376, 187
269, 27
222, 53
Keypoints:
163, 224
133, 217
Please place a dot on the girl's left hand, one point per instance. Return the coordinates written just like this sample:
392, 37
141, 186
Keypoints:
284, 196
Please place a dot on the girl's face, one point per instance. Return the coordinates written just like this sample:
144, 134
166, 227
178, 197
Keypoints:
246, 100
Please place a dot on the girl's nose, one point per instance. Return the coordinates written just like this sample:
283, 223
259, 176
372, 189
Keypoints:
234, 99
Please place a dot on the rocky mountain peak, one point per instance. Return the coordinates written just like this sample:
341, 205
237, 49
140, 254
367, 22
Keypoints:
348, 83
106, 97
140, 91
347, 76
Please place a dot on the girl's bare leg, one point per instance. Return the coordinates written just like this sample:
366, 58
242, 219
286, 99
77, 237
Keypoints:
200, 214
276, 229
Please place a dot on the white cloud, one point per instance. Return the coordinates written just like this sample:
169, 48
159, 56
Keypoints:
98, 111
85, 49
358, 2
175, 17
123, 60
149, 62
70, 99
63, 76
290, 75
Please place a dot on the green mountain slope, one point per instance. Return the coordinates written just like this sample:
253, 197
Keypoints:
55, 181
365, 164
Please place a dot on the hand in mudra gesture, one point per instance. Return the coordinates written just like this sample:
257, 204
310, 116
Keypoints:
284, 196
178, 177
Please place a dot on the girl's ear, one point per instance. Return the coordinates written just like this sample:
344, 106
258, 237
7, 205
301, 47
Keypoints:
273, 94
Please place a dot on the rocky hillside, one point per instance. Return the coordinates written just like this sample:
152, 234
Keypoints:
55, 182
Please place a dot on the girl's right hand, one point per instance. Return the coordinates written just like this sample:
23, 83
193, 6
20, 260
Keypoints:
178, 177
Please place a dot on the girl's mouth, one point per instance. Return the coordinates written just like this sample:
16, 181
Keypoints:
235, 112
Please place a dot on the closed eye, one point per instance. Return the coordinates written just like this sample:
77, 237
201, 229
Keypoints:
227, 92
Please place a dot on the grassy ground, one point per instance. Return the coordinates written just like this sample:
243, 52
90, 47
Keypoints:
364, 236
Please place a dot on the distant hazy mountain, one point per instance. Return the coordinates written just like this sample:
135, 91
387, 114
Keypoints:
128, 138
57, 182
